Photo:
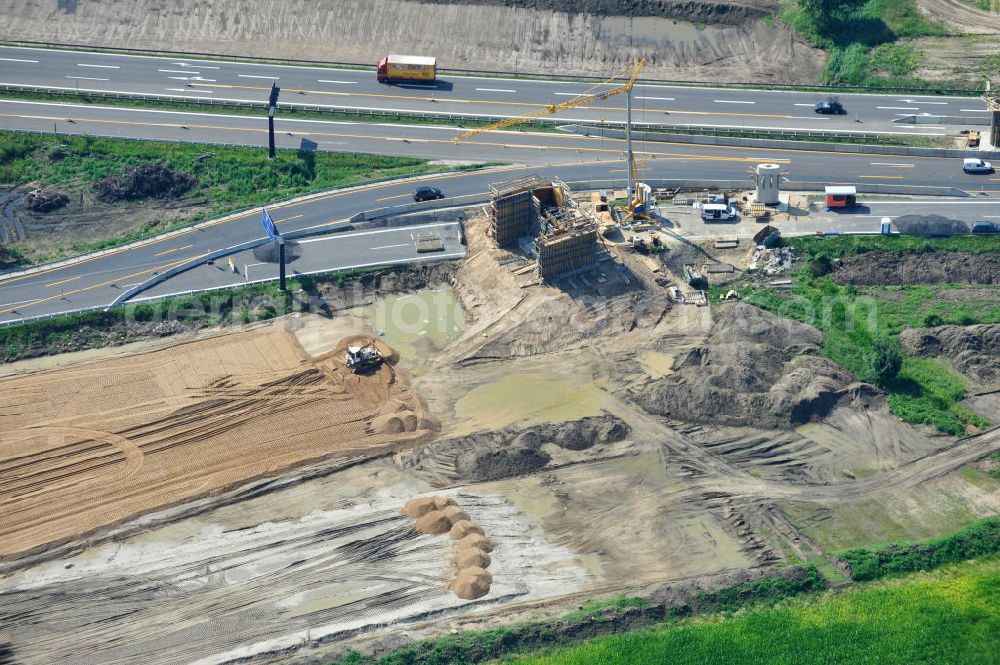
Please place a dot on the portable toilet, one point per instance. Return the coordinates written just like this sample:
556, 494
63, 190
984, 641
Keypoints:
841, 196
886, 226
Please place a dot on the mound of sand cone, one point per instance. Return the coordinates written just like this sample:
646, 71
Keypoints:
419, 507
462, 528
442, 502
455, 514
471, 583
477, 541
389, 423
471, 558
433, 522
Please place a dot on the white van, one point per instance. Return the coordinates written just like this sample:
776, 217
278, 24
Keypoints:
717, 212
976, 165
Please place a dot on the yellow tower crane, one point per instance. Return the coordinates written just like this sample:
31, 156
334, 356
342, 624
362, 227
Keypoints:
636, 208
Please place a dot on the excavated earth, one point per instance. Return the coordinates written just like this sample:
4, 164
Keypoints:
686, 40
565, 438
758, 369
973, 350
891, 269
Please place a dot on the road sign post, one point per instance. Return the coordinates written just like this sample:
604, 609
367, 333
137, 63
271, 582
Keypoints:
275, 237
272, 104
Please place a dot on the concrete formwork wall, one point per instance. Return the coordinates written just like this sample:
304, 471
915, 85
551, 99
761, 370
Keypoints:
562, 254
513, 216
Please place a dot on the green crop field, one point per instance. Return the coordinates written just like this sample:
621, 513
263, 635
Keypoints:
950, 616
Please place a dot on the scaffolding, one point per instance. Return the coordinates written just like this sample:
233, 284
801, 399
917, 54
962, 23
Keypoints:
514, 209
566, 253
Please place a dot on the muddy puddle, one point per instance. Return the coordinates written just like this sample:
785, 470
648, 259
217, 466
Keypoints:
528, 398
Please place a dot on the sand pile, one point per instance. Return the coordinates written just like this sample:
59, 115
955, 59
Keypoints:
436, 515
755, 369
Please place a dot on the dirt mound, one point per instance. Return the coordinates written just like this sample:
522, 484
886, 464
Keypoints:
973, 350
512, 451
476, 541
143, 182
930, 225
874, 268
471, 557
416, 508
433, 522
731, 12
463, 528
754, 369
45, 200
471, 583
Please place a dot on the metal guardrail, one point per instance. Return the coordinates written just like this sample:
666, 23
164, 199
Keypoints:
488, 72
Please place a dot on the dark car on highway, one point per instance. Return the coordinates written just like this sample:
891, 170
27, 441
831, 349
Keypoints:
427, 194
831, 106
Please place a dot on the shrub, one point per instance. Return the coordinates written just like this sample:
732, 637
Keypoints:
888, 361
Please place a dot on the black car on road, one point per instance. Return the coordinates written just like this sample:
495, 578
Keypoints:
831, 106
427, 194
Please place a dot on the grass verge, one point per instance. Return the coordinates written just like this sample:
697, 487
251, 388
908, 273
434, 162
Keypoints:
976, 540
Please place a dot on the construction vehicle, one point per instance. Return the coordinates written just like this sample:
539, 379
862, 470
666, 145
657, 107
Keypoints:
639, 194
361, 358
412, 68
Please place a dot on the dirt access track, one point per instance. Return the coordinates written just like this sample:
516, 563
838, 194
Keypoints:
98, 443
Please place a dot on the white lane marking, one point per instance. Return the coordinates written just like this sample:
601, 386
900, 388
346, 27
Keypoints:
805, 105
333, 81
920, 101
495, 90
659, 99
177, 71
80, 64
86, 78
731, 101
199, 65
19, 302
898, 108
253, 76
369, 233
901, 166
191, 78
17, 60
569, 94
206, 92
405, 244
973, 110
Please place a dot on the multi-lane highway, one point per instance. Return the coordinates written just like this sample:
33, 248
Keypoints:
99, 280
452, 94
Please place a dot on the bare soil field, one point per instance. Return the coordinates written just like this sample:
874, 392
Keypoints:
874, 268
972, 350
507, 39
552, 442
963, 16
108, 440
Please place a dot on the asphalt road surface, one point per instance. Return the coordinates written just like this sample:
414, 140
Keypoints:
451, 94
661, 160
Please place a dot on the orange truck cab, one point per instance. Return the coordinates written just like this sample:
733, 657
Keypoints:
415, 68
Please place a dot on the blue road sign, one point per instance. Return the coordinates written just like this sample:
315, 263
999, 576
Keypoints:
272, 232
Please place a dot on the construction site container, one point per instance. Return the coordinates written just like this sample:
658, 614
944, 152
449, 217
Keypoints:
841, 196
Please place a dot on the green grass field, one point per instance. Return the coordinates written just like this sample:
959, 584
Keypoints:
949, 617
229, 179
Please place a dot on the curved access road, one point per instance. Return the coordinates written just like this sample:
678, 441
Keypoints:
191, 78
